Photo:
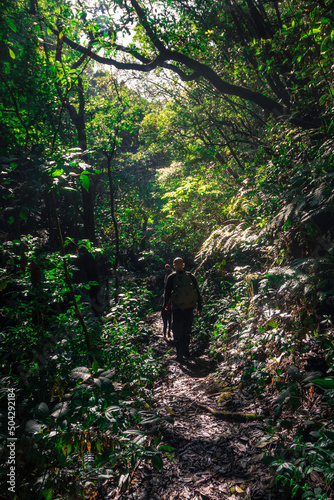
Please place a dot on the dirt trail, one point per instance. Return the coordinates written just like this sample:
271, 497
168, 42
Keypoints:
213, 459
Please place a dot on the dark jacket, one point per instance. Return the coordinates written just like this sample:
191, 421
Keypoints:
169, 289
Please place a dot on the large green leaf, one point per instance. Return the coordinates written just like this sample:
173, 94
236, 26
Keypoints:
85, 181
327, 383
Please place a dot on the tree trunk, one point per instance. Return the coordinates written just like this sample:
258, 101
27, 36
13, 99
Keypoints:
114, 221
87, 261
142, 245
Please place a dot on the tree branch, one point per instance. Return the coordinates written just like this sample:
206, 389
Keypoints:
199, 70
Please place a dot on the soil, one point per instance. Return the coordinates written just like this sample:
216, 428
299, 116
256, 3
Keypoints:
212, 458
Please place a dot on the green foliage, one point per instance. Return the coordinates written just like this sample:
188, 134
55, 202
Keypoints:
311, 454
269, 275
28, 109
189, 206
76, 423
194, 171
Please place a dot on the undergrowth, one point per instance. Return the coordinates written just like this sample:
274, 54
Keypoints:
77, 423
268, 279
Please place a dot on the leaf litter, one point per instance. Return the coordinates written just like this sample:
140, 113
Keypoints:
212, 458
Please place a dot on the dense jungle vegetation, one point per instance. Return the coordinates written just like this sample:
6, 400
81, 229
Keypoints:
133, 132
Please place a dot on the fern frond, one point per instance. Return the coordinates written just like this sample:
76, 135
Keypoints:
227, 238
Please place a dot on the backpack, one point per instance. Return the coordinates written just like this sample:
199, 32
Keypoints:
184, 294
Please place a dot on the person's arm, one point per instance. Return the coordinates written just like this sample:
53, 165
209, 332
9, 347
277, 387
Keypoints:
168, 290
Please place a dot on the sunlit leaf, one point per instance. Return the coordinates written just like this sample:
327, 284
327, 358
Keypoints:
57, 173
41, 410
123, 480
151, 419
81, 372
109, 412
60, 411
33, 427
84, 179
324, 383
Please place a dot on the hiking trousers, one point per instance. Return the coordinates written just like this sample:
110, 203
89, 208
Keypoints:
166, 318
181, 327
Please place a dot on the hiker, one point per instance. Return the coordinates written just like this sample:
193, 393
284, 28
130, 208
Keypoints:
182, 289
166, 312
168, 271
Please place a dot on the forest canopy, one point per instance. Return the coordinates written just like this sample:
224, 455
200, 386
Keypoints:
132, 132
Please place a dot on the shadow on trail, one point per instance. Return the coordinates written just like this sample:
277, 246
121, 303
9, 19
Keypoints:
198, 367
220, 460
205, 468
195, 367
212, 459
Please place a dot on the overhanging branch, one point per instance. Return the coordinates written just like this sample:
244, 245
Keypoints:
198, 70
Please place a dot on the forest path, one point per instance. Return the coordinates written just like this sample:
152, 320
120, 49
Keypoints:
213, 459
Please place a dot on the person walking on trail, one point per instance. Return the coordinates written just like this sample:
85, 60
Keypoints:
166, 312
182, 289
168, 271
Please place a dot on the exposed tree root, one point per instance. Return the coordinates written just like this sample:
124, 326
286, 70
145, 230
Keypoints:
230, 416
